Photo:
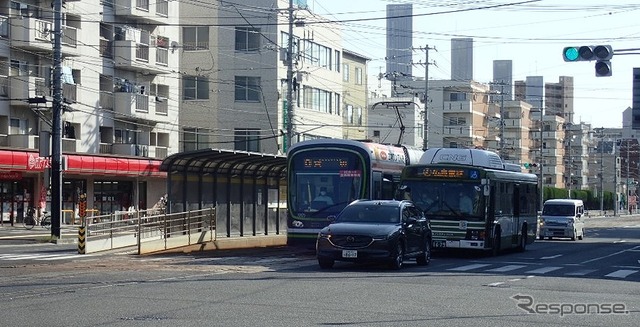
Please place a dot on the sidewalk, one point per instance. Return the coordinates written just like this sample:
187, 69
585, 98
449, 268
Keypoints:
68, 234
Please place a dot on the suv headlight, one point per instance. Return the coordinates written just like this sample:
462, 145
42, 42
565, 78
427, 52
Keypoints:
380, 237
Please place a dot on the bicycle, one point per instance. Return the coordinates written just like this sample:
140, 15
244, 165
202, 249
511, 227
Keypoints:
30, 220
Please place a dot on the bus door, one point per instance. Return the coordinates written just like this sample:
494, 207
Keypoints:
517, 220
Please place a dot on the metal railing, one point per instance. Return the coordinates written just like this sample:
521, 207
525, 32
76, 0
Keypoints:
149, 230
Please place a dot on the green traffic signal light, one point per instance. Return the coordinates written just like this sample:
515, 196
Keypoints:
527, 165
571, 54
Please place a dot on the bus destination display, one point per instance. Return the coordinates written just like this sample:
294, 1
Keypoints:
448, 173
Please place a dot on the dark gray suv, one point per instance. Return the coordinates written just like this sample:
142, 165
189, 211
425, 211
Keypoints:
386, 231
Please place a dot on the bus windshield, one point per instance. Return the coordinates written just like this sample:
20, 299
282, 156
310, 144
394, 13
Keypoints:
323, 182
446, 200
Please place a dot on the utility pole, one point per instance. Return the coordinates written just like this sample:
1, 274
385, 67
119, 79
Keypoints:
615, 179
502, 113
602, 170
425, 125
289, 106
626, 194
56, 133
568, 136
541, 163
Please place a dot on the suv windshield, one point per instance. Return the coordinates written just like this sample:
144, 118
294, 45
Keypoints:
372, 213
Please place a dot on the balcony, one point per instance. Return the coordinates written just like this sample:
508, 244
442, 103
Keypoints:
150, 11
139, 57
70, 93
133, 105
106, 100
5, 49
158, 152
138, 150
69, 145
24, 87
458, 106
23, 141
458, 131
4, 86
37, 34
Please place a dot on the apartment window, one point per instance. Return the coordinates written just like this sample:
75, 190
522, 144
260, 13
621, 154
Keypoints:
247, 140
195, 139
195, 88
317, 99
247, 39
376, 133
457, 121
338, 104
345, 72
247, 88
358, 75
195, 38
337, 60
18, 126
349, 114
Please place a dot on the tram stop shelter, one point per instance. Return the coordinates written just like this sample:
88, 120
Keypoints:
247, 189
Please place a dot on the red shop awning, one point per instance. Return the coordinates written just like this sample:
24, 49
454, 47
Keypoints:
82, 164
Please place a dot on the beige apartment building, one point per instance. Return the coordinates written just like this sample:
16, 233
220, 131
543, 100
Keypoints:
354, 95
234, 76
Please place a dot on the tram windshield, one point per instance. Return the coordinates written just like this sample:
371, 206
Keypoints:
324, 182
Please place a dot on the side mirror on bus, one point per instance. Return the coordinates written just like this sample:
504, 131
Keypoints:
403, 193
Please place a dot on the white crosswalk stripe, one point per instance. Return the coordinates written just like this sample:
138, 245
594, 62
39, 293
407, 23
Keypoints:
581, 272
506, 268
543, 270
623, 273
469, 267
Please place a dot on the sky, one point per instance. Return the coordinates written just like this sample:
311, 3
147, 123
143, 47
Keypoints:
530, 33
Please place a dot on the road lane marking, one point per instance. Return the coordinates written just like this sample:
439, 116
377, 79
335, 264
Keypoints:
607, 256
468, 267
623, 273
506, 268
582, 272
551, 257
543, 270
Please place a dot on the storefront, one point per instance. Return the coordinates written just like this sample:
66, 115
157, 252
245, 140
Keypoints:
111, 184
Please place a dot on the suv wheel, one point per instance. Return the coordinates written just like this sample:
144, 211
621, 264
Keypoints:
398, 258
425, 257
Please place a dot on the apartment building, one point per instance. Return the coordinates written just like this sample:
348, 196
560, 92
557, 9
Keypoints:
354, 95
120, 82
234, 76
515, 145
458, 114
395, 120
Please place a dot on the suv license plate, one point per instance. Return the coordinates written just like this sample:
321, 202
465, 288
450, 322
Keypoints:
439, 244
349, 253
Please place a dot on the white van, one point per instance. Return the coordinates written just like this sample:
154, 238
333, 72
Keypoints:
562, 218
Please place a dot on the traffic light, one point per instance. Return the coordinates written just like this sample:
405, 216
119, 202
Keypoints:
529, 165
602, 54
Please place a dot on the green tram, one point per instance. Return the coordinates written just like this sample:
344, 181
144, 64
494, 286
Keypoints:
473, 200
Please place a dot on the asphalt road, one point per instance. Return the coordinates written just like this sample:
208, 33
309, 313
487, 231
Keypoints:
553, 283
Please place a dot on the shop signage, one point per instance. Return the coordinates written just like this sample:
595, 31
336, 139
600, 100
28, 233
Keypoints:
38, 163
10, 175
